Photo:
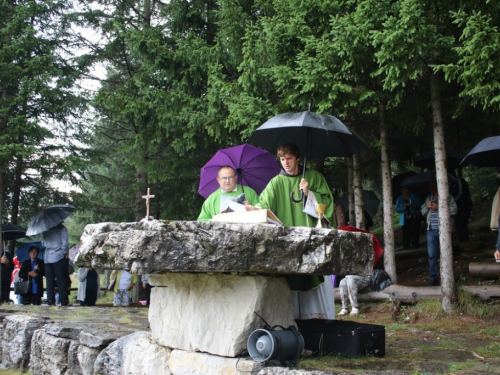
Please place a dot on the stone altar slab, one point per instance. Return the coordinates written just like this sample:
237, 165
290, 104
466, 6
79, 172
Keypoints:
156, 247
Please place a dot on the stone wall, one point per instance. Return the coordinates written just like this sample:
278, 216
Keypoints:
77, 341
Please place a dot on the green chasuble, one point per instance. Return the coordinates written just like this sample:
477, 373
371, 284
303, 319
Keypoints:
276, 197
211, 206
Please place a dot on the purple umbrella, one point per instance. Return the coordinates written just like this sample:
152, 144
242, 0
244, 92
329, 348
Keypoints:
254, 167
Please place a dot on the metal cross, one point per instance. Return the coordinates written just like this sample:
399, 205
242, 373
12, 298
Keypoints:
147, 197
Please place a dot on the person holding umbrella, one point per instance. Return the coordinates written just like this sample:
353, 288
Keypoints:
55, 241
49, 221
10, 232
311, 302
408, 206
229, 187
7, 267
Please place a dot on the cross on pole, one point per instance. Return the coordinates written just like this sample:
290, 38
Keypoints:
147, 197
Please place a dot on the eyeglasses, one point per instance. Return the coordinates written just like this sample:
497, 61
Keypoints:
229, 178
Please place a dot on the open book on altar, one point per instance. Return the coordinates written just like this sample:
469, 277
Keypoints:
231, 204
258, 216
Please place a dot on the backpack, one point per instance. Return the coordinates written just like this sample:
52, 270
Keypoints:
379, 280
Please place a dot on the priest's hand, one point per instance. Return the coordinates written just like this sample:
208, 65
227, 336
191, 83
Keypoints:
249, 207
304, 186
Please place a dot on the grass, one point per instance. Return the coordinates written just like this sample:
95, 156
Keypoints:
423, 338
11, 372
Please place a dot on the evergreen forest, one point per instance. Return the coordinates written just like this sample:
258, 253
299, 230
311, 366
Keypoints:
112, 97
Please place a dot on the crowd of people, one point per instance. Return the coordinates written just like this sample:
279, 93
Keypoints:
312, 296
55, 269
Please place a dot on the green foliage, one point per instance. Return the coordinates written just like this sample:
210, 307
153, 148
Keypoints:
409, 42
185, 78
40, 106
477, 68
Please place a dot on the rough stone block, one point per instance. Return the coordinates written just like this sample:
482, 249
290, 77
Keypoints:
86, 359
73, 363
17, 335
134, 354
215, 314
190, 246
100, 335
49, 354
188, 363
57, 330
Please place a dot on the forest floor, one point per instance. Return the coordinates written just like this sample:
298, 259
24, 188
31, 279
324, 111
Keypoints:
421, 338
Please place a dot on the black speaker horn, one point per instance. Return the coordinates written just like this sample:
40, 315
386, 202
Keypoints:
285, 345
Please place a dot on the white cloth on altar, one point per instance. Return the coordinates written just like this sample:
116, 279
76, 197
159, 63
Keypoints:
317, 303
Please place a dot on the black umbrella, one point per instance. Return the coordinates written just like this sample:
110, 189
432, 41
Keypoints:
420, 191
423, 179
49, 218
12, 232
485, 154
370, 202
428, 160
317, 136
396, 183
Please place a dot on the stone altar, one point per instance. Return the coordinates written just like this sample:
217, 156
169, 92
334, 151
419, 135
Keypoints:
210, 277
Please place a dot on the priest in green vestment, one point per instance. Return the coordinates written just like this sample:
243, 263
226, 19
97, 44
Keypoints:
229, 187
316, 298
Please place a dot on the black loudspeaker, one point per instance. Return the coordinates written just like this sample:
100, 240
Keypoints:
285, 345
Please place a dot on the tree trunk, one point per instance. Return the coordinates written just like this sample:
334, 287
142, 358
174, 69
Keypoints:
388, 207
3, 127
140, 204
16, 193
140, 213
484, 269
358, 194
350, 193
413, 294
1, 206
446, 263
16, 190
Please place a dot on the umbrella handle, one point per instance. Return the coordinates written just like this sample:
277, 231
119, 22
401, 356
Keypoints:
292, 198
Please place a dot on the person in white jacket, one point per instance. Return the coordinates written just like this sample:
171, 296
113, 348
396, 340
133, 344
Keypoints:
89, 286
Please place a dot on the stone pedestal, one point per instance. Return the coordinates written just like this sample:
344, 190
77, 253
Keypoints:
215, 314
210, 278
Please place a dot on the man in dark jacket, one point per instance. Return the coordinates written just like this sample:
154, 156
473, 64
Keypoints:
7, 267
